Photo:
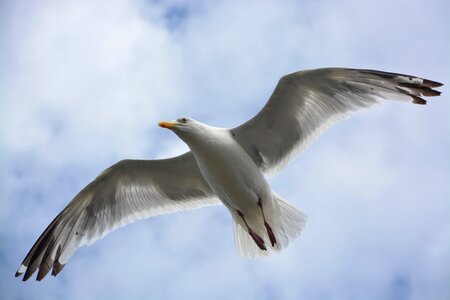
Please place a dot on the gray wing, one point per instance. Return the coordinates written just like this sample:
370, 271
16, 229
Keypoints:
125, 192
304, 104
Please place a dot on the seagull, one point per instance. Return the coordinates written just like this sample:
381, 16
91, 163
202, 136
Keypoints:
224, 166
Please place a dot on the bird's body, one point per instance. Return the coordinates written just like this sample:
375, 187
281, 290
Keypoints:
229, 171
224, 166
240, 185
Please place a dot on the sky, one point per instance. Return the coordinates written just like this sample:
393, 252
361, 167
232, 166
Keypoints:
84, 83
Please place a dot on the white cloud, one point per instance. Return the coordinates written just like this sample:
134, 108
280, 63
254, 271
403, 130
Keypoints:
86, 82
89, 72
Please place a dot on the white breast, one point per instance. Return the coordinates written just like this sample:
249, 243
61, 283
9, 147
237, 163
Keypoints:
229, 170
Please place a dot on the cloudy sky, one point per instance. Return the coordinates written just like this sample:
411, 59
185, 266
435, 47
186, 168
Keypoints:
83, 84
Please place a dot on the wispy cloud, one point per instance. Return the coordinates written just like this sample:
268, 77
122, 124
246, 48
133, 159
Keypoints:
84, 83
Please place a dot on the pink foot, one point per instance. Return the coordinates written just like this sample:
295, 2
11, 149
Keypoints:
258, 240
272, 238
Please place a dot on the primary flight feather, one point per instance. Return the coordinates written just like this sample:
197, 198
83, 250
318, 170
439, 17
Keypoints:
224, 166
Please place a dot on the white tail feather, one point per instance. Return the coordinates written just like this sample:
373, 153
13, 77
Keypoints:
286, 227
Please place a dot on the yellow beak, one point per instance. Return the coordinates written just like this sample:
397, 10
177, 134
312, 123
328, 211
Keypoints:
167, 124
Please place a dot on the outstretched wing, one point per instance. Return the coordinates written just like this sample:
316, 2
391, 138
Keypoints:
127, 191
304, 104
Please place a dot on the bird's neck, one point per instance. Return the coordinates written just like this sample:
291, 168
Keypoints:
210, 139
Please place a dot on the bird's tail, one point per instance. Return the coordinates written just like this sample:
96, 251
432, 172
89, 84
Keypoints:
286, 225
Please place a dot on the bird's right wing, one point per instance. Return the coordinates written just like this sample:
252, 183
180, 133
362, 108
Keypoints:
125, 192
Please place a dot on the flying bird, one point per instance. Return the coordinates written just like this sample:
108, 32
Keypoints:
223, 166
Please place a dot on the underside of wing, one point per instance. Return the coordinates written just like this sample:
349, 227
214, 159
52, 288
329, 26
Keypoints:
127, 191
304, 104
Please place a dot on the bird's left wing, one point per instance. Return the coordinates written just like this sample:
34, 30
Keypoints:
304, 104
125, 192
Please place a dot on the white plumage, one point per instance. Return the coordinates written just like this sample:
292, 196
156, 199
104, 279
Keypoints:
224, 166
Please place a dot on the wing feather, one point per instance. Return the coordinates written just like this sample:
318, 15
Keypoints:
304, 104
127, 191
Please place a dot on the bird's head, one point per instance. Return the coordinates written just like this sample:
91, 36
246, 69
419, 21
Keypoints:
184, 127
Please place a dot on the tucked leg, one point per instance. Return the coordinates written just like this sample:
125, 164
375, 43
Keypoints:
258, 240
272, 238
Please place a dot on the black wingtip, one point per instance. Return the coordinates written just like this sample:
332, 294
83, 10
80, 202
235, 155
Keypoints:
25, 278
425, 82
28, 273
431, 93
418, 100
57, 267
18, 274
421, 89
41, 274
431, 83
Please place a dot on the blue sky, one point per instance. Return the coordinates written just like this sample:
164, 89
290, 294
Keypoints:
84, 83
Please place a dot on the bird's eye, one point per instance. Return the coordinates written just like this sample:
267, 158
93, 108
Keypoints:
183, 120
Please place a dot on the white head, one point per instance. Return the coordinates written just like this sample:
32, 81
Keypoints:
185, 128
